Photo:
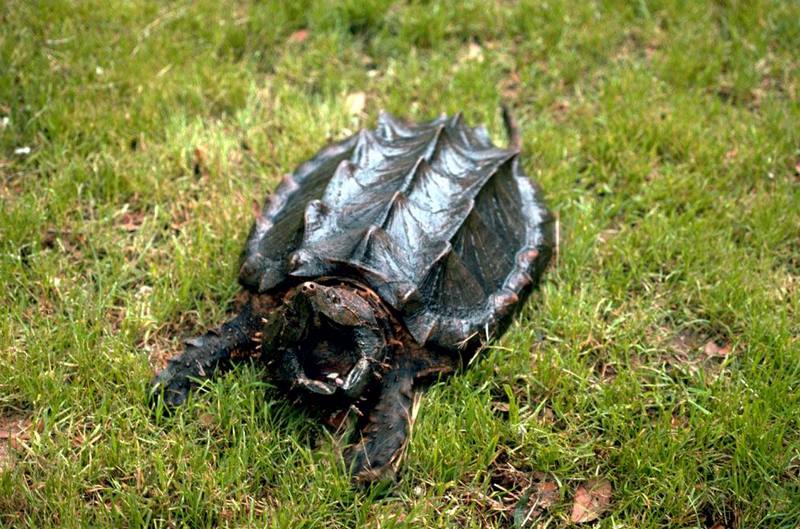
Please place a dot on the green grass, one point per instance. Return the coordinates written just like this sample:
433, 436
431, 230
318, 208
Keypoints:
665, 134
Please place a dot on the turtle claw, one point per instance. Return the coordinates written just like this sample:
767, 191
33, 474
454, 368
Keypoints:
315, 386
353, 385
172, 388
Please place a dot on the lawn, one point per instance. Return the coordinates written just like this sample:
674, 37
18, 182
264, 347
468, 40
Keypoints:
660, 357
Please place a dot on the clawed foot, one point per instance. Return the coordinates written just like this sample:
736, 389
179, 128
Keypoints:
203, 357
369, 464
173, 387
383, 440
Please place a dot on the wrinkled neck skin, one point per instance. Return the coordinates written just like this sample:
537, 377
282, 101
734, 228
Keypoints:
327, 338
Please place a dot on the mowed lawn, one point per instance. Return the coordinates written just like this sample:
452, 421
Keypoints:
660, 360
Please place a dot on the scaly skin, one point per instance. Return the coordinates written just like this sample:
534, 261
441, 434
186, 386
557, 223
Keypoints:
285, 334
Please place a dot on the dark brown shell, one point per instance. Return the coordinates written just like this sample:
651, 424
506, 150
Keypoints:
442, 224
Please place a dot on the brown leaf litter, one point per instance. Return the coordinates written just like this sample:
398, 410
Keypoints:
515, 495
15, 430
299, 36
592, 498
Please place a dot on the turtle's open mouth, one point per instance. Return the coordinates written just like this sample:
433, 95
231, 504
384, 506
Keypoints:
328, 353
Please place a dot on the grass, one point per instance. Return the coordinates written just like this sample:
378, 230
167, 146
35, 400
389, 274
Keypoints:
665, 134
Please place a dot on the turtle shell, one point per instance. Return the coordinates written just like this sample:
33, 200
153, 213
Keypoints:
437, 220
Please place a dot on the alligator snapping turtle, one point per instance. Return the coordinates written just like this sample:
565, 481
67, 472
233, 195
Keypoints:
386, 260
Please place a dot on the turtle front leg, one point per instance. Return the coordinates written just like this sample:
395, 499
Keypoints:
369, 345
205, 356
384, 437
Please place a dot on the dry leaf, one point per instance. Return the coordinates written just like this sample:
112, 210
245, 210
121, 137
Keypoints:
510, 86
542, 496
500, 407
301, 35
337, 419
14, 430
355, 103
199, 161
591, 500
713, 349
17, 426
6, 459
546, 494
473, 53
207, 420
199, 155
131, 221
562, 105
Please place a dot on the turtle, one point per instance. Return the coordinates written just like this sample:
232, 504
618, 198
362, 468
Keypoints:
386, 261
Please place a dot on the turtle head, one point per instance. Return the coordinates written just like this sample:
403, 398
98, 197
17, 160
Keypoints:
340, 304
329, 339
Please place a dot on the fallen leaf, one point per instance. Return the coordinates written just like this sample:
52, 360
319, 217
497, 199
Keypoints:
473, 53
139, 476
301, 35
500, 407
16, 426
591, 500
547, 416
14, 430
757, 94
510, 86
540, 497
562, 105
199, 161
355, 103
207, 420
713, 349
676, 422
337, 419
131, 221
6, 459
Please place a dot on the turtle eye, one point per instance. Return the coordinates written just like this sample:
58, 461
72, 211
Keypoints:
335, 299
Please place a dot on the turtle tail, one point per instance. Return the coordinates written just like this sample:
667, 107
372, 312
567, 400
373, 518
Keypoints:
512, 128
204, 356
